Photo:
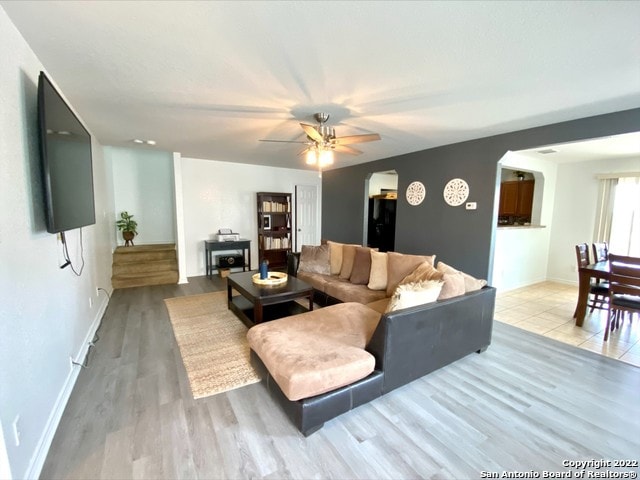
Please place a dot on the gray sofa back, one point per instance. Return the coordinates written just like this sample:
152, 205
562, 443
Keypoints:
413, 342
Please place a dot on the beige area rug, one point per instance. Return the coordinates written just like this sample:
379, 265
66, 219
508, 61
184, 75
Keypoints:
213, 343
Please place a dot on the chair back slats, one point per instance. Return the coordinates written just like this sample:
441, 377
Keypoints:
625, 275
600, 252
582, 254
624, 290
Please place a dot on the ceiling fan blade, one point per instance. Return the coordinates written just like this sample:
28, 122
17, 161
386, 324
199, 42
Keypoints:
368, 137
281, 141
311, 131
346, 149
302, 152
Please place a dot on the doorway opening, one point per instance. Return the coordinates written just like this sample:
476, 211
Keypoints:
381, 193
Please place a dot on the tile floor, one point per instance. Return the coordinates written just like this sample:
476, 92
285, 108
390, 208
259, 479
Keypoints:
547, 308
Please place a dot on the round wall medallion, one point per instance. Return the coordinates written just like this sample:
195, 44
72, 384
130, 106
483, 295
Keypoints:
456, 192
415, 193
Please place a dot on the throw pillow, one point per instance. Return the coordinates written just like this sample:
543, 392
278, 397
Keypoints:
335, 256
399, 265
361, 266
348, 256
412, 294
424, 271
453, 285
314, 259
378, 274
471, 284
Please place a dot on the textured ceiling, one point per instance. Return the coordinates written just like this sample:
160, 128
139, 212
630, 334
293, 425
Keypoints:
209, 79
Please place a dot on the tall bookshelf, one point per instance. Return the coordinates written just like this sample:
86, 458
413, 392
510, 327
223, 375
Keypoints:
274, 228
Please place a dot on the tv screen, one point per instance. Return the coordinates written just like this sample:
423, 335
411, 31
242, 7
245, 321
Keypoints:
65, 149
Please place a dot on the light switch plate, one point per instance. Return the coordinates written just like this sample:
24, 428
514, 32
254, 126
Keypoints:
471, 205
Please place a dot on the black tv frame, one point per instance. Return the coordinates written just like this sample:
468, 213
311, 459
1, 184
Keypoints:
67, 162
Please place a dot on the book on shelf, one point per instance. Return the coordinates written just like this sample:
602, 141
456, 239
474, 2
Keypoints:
275, 243
275, 207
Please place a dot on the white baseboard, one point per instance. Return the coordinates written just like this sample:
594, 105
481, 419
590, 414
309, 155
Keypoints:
42, 449
563, 281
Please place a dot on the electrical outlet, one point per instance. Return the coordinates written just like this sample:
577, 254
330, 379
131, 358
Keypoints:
471, 206
16, 430
97, 291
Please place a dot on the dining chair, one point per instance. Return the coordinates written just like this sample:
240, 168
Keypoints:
600, 251
598, 292
624, 290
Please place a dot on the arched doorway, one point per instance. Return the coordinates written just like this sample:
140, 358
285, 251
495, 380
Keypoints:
381, 189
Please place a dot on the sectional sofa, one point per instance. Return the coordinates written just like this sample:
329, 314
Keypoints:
368, 341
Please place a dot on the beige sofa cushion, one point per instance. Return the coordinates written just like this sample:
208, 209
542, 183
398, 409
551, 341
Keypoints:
315, 259
379, 305
318, 351
317, 280
348, 292
399, 265
378, 273
361, 266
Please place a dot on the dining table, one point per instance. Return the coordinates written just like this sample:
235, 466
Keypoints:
599, 271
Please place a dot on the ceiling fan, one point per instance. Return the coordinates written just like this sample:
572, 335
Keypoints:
322, 141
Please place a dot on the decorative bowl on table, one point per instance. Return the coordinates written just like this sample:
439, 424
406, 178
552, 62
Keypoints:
273, 279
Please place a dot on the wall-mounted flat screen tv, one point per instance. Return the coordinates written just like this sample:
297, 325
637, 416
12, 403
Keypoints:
65, 151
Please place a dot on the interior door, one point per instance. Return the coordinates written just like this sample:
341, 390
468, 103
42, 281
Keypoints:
307, 216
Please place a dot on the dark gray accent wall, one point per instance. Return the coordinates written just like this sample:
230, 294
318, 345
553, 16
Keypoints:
459, 237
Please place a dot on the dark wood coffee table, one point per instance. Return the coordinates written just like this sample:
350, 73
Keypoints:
257, 303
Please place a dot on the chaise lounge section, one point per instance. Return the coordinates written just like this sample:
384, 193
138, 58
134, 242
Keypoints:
323, 363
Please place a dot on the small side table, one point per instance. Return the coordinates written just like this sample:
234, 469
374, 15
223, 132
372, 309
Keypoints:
211, 246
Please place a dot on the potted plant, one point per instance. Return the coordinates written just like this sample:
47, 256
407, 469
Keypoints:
128, 227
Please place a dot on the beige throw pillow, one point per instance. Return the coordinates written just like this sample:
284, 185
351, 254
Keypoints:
424, 271
453, 285
471, 284
335, 256
314, 259
348, 256
412, 294
361, 266
378, 273
399, 265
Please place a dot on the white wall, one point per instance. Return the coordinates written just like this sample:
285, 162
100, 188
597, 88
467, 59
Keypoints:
378, 181
143, 186
575, 210
44, 311
520, 254
223, 195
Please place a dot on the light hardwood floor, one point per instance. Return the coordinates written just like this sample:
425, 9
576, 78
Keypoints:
527, 403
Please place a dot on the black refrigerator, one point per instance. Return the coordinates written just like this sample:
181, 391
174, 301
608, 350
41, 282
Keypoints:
381, 230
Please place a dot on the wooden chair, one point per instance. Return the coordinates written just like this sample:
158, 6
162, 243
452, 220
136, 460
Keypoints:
600, 252
624, 290
598, 292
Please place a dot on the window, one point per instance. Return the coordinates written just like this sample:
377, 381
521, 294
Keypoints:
625, 222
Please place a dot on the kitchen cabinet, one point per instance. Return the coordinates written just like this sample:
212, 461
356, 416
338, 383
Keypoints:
516, 199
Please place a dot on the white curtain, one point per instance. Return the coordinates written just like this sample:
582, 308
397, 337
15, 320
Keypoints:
624, 238
604, 210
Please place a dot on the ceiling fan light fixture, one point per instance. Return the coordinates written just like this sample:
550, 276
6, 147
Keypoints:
326, 157
311, 157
